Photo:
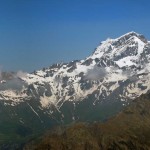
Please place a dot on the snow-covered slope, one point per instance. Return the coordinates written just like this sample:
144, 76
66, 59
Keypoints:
117, 68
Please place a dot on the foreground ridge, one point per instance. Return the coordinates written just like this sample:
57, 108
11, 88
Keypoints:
127, 130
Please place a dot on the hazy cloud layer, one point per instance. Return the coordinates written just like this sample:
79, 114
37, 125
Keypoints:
13, 84
13, 80
21, 74
96, 73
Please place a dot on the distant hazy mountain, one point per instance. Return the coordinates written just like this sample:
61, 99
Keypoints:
92, 89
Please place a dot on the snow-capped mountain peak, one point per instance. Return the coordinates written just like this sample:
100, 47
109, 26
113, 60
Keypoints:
124, 51
116, 65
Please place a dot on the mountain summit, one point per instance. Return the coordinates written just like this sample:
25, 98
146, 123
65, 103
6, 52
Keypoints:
90, 89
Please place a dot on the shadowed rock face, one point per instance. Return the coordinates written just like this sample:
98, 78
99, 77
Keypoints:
128, 130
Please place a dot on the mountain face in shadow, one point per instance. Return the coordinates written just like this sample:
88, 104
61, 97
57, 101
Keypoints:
128, 130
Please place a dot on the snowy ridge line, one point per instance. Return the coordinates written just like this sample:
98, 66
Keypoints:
116, 63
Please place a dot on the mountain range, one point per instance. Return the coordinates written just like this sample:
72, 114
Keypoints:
93, 89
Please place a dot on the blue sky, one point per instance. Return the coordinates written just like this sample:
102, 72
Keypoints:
37, 33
